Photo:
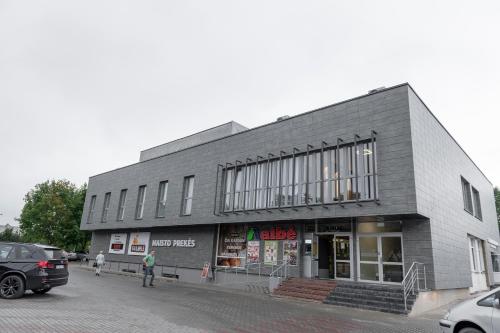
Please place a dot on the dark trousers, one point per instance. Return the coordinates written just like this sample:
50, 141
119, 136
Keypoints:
148, 271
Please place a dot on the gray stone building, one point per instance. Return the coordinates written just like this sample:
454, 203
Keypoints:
364, 190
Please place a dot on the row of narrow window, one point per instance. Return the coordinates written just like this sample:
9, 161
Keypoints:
161, 205
334, 175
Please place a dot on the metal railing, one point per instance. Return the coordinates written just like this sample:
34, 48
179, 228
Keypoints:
122, 266
251, 273
415, 281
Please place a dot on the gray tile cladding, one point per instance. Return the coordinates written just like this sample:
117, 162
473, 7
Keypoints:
386, 112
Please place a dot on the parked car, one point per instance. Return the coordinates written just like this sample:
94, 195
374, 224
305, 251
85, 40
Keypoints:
477, 315
82, 256
34, 267
72, 256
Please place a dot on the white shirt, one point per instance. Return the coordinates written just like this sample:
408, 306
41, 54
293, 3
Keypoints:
100, 258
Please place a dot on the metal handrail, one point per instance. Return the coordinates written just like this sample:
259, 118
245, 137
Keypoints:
411, 282
280, 269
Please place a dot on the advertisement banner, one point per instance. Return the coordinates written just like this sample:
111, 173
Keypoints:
232, 248
139, 243
117, 243
290, 250
270, 252
253, 252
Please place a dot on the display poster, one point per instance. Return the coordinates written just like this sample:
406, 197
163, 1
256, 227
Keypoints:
232, 248
117, 243
270, 252
253, 252
139, 243
290, 250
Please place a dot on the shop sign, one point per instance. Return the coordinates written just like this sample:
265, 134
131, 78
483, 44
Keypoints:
139, 242
274, 233
117, 243
173, 243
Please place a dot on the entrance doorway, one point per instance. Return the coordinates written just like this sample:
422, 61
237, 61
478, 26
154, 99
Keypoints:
478, 270
334, 256
380, 258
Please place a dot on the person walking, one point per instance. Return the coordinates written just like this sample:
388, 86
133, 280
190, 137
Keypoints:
149, 265
99, 260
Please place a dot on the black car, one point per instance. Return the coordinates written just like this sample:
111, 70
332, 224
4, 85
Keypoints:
33, 267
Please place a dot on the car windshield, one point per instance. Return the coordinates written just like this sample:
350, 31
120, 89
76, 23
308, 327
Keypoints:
54, 253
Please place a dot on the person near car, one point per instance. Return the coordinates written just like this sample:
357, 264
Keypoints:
99, 260
149, 264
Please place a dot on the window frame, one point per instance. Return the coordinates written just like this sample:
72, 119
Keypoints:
120, 214
90, 215
141, 201
476, 203
187, 195
467, 196
161, 204
105, 207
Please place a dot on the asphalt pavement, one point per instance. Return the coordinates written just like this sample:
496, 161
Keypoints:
115, 303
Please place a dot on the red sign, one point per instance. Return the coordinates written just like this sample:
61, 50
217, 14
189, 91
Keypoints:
276, 233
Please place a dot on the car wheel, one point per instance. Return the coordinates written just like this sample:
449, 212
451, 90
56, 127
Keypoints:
469, 330
11, 287
41, 291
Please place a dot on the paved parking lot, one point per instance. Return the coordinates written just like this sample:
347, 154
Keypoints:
113, 303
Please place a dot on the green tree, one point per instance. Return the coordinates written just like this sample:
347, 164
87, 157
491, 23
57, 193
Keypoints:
52, 213
8, 235
497, 203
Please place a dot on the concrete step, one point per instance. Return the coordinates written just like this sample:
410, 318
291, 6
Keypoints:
369, 302
367, 292
367, 307
383, 298
300, 295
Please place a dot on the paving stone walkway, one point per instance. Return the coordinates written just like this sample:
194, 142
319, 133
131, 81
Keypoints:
114, 303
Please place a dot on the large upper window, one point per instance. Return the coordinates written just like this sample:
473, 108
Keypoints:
90, 217
333, 174
187, 195
161, 206
121, 205
105, 207
141, 198
472, 202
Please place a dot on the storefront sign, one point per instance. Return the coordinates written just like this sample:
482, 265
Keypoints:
232, 248
117, 243
253, 251
173, 243
270, 252
276, 233
290, 248
139, 243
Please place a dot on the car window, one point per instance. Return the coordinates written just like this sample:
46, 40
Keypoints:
5, 250
53, 253
24, 253
488, 301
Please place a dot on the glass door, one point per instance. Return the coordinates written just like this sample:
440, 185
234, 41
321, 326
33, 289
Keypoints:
369, 269
342, 253
380, 258
392, 259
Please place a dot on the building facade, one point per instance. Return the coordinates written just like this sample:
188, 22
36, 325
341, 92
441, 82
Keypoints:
358, 190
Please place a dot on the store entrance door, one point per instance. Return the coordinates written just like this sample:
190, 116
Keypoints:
334, 256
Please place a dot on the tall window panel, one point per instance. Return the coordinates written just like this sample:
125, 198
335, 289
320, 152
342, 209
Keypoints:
121, 205
272, 195
187, 196
161, 206
238, 189
300, 182
141, 199
466, 192
90, 217
367, 170
261, 188
105, 207
286, 182
477, 204
249, 193
314, 179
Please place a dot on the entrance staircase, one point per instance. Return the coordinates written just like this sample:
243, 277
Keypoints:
307, 289
377, 297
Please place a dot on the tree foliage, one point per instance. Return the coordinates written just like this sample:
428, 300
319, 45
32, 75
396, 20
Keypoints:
8, 235
52, 213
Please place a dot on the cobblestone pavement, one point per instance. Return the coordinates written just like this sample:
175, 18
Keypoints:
113, 303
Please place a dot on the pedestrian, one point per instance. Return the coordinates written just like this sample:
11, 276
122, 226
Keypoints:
149, 265
99, 261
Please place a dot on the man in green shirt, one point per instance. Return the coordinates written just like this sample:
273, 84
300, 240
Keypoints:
149, 264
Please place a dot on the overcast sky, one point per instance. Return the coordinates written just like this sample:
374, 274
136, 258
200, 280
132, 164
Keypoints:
84, 86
